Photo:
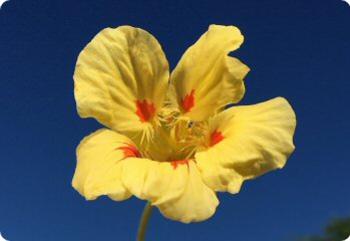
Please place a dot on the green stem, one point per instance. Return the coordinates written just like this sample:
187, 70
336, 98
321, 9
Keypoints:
147, 211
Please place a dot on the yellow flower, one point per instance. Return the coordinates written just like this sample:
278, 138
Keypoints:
169, 139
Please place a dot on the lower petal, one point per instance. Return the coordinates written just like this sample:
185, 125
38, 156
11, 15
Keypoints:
196, 203
176, 188
248, 142
98, 169
216, 174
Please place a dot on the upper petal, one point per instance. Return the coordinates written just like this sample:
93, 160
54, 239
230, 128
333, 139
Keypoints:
206, 78
176, 188
121, 78
246, 142
98, 170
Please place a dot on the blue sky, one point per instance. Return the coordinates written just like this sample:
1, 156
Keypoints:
297, 49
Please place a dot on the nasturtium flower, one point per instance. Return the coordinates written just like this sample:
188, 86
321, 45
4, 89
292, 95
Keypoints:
169, 138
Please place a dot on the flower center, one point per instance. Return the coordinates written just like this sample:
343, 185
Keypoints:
185, 136
189, 136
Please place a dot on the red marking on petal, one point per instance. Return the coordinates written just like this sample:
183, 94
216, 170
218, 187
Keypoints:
176, 163
145, 110
130, 151
188, 102
215, 138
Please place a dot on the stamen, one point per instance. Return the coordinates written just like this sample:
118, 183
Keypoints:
168, 116
187, 136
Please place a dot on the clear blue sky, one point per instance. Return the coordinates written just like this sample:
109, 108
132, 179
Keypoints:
297, 49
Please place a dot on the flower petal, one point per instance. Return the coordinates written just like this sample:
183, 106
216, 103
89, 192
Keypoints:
253, 140
206, 78
98, 170
121, 78
176, 188
218, 175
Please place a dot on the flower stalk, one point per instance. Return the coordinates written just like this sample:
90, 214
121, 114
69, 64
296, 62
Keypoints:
146, 214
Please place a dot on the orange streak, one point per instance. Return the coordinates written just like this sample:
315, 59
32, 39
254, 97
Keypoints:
188, 102
176, 163
130, 151
215, 138
145, 110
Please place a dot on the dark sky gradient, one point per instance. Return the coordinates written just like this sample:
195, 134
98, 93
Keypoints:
298, 49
